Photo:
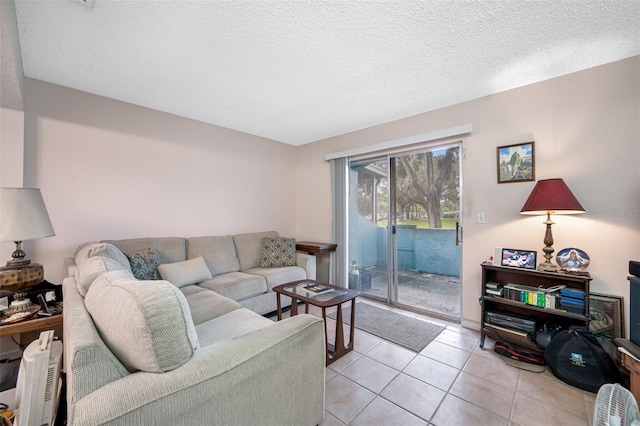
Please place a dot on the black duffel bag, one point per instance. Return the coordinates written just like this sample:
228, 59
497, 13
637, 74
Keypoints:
575, 357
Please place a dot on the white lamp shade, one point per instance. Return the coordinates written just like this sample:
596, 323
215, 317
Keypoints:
23, 215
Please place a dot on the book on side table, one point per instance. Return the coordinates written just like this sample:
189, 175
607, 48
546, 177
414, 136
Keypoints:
316, 289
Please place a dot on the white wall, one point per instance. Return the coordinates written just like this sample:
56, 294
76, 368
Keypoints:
11, 161
112, 170
11, 171
586, 130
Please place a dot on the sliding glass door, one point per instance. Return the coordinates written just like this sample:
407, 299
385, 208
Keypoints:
403, 212
368, 224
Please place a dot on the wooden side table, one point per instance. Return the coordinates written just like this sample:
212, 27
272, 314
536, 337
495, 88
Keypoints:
322, 252
34, 324
343, 295
633, 366
315, 248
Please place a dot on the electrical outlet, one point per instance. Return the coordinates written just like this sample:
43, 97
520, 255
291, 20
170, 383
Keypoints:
481, 217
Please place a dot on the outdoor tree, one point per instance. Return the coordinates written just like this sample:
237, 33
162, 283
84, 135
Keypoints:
432, 180
404, 197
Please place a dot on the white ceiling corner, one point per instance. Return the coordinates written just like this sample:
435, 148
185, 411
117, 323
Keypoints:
298, 72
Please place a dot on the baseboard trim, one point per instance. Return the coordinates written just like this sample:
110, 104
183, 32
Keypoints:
472, 325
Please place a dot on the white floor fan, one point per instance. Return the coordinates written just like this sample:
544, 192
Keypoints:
615, 406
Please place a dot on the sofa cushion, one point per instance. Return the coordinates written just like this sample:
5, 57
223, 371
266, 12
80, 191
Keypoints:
277, 276
92, 267
189, 290
236, 285
249, 248
93, 249
229, 326
170, 249
277, 252
82, 253
146, 324
206, 304
187, 272
144, 264
218, 252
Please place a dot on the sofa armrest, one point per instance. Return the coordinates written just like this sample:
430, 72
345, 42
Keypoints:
274, 375
84, 349
308, 263
70, 268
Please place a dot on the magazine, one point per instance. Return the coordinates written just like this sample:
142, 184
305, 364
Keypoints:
315, 289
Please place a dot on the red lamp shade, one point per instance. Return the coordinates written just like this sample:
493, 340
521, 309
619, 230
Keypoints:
551, 196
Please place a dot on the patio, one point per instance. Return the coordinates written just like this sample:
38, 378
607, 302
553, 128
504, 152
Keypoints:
423, 291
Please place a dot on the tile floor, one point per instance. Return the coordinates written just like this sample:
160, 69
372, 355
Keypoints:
451, 382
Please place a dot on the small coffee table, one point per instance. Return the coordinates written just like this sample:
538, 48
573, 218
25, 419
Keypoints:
337, 297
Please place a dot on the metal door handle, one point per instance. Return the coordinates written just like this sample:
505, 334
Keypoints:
458, 234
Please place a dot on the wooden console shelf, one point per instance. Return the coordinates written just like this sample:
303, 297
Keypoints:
315, 248
509, 275
322, 251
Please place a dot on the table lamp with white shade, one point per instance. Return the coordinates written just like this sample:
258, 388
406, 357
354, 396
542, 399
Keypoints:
23, 216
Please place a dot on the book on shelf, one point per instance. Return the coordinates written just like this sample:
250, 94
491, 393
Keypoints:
535, 296
316, 289
494, 292
572, 293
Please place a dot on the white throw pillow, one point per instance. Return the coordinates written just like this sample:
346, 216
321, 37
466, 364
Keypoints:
187, 272
82, 253
93, 249
91, 268
146, 324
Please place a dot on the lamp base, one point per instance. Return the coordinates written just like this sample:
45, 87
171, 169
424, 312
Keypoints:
14, 278
548, 267
548, 250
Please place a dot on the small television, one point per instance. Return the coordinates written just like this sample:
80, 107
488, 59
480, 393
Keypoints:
38, 386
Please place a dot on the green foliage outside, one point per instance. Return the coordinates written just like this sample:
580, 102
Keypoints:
426, 185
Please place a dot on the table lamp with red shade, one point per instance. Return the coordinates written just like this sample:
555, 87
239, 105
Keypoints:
550, 196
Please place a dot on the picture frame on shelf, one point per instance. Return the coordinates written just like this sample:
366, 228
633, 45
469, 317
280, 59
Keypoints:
525, 259
606, 315
516, 163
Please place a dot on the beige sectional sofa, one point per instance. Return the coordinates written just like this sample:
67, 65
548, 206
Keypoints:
152, 351
234, 262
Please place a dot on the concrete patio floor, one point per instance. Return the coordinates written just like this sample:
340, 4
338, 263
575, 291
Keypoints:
438, 295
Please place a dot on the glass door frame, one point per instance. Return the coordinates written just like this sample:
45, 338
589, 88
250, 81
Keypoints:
392, 294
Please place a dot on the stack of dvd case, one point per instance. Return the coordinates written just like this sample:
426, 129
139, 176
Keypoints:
572, 300
493, 289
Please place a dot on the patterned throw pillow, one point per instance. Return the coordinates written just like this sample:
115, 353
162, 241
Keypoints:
144, 264
278, 252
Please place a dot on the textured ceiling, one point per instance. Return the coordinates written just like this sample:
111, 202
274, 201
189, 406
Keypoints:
10, 87
298, 72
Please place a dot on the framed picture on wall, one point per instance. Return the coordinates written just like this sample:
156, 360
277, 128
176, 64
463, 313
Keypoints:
606, 316
516, 163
